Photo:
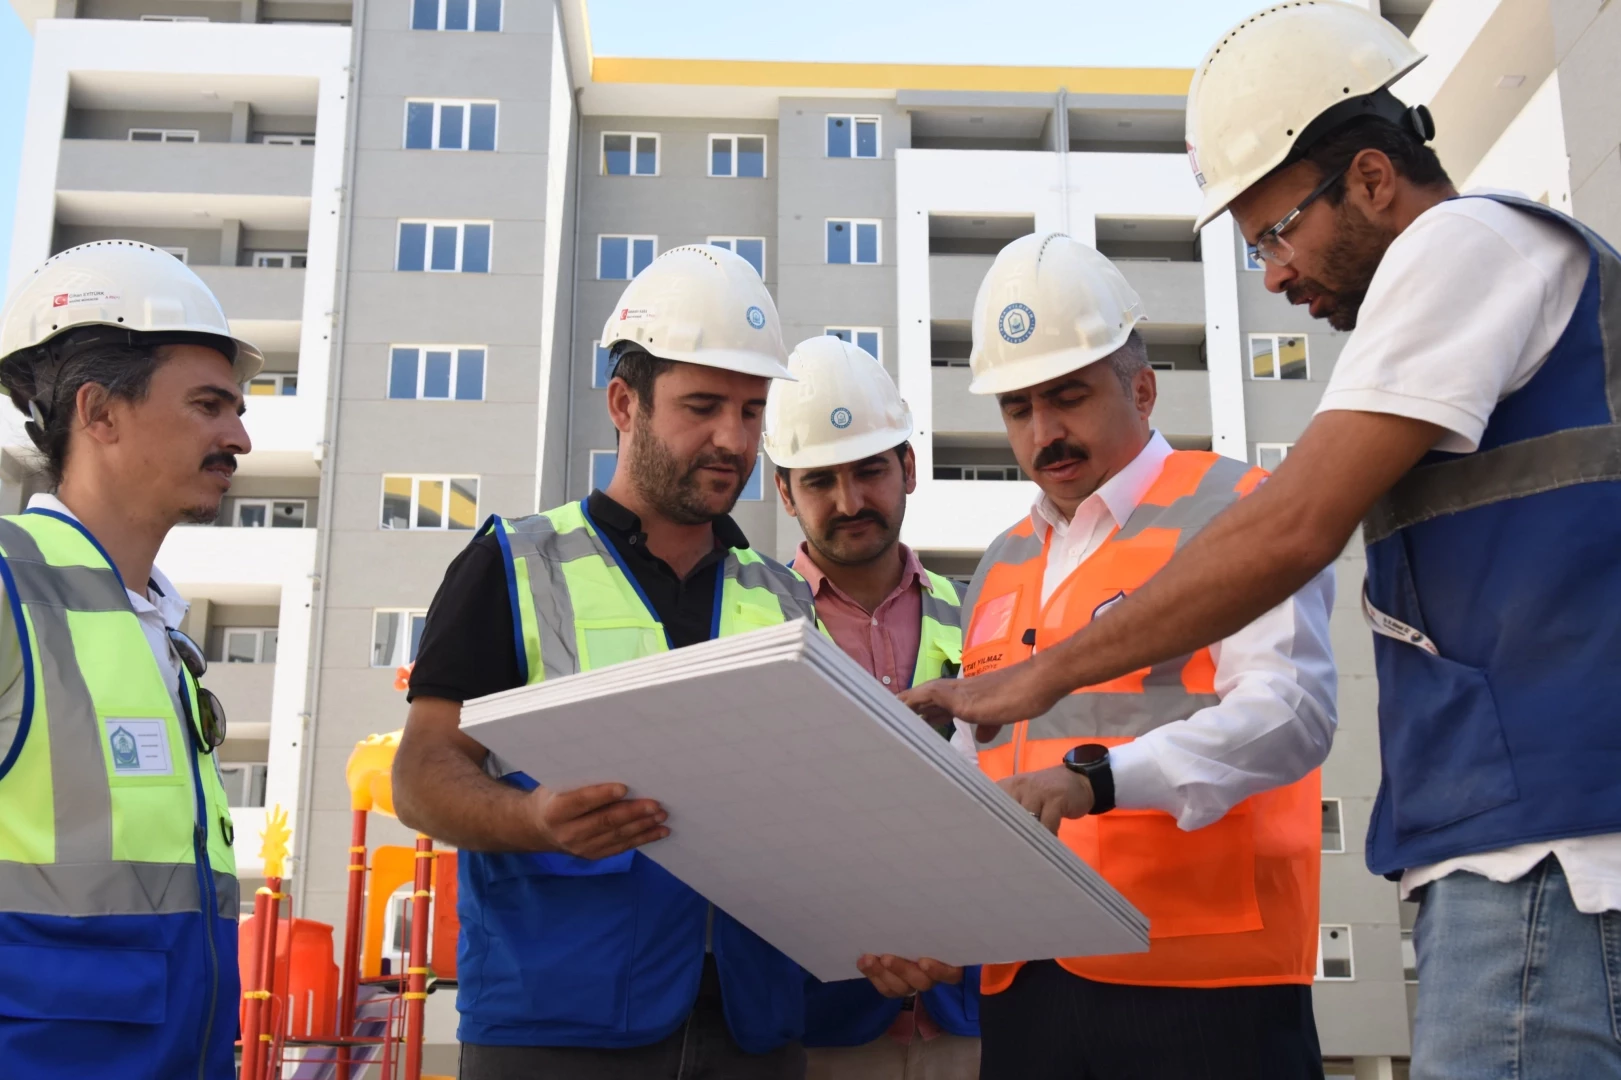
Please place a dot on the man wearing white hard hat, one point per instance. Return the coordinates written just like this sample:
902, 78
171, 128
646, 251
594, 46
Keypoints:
580, 957
118, 891
839, 438
1472, 428
1191, 785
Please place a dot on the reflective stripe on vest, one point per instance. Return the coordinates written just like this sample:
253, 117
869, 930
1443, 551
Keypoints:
77, 838
1234, 903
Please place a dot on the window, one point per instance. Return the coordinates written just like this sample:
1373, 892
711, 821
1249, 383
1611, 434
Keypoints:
270, 513
162, 134
456, 14
852, 136
604, 461
840, 248
1333, 830
244, 783
737, 155
396, 634
620, 258
183, 254
436, 372
869, 338
977, 472
289, 140
752, 248
250, 645
450, 125
1252, 261
601, 368
174, 18
274, 385
1334, 952
629, 153
281, 260
754, 486
1269, 455
430, 502
1409, 957
449, 247
1278, 356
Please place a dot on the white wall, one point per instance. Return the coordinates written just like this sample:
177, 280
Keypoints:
1529, 157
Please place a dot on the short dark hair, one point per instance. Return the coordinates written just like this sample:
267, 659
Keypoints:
1333, 153
639, 370
1129, 359
52, 376
784, 474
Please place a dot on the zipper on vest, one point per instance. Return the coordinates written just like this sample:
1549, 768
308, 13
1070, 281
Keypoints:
709, 930
205, 886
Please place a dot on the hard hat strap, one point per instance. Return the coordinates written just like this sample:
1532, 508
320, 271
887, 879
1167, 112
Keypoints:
1381, 105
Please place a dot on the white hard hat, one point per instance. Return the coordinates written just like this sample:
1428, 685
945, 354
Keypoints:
1283, 78
702, 305
843, 407
1050, 305
126, 285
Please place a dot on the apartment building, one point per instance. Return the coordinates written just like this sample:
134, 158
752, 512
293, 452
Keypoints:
423, 210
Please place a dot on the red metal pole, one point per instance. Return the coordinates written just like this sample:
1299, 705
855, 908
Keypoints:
255, 996
416, 994
267, 980
350, 976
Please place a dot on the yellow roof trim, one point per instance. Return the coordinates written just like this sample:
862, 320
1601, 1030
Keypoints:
800, 74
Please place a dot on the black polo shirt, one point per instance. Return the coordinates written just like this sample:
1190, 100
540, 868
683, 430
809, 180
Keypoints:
467, 647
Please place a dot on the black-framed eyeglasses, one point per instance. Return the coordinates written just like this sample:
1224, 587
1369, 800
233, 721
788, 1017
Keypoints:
208, 729
1271, 245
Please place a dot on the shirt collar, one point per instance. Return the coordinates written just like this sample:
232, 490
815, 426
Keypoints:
1120, 494
160, 595
611, 514
912, 572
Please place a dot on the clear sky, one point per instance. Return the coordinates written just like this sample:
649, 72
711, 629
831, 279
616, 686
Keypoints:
1078, 33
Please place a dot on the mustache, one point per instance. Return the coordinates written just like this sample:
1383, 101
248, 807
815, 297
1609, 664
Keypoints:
228, 460
866, 515
1054, 453
735, 461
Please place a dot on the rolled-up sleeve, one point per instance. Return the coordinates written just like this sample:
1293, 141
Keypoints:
1274, 724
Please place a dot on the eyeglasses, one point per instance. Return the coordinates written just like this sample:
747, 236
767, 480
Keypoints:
209, 729
1271, 245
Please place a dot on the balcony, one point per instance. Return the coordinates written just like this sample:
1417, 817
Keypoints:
244, 690
956, 411
256, 294
216, 168
954, 282
1172, 292
237, 566
1183, 407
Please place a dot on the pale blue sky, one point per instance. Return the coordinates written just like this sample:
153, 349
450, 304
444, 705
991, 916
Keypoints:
1105, 33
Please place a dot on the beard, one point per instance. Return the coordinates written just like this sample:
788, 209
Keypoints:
673, 487
840, 548
1353, 257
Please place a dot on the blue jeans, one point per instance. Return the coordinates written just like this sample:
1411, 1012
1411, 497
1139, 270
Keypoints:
1514, 983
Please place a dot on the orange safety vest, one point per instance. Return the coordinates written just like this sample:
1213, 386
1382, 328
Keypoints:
1231, 904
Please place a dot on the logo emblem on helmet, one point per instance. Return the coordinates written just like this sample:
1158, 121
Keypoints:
841, 418
756, 317
1016, 324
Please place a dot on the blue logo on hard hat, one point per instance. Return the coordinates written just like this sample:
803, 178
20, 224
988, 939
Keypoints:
1016, 324
841, 418
756, 318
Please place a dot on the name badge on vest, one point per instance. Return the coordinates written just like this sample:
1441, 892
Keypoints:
1107, 604
139, 747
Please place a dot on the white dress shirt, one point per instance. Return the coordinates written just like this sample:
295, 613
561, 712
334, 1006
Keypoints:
1463, 310
1275, 678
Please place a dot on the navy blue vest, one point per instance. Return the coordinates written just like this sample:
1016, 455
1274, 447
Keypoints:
1509, 559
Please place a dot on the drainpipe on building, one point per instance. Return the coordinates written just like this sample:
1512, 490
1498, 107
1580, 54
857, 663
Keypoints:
1061, 137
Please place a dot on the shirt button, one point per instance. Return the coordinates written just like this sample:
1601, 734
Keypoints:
886, 680
875, 620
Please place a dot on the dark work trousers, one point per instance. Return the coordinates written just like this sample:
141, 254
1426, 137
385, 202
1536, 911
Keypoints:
1051, 1025
700, 1049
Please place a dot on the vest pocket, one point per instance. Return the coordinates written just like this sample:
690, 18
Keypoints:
1200, 882
118, 986
606, 643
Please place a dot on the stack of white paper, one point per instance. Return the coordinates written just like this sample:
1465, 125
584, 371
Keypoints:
812, 806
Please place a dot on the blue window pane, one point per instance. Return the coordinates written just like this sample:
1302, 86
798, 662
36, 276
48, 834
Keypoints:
751, 157
868, 340
866, 243
455, 14
641, 255
470, 375
754, 486
489, 15
413, 242
866, 138
476, 249
838, 136
450, 127
727, 244
602, 468
402, 374
436, 374
720, 157
754, 252
616, 155
444, 248
611, 258
481, 128
419, 125
647, 156
838, 332
838, 241
425, 15
601, 368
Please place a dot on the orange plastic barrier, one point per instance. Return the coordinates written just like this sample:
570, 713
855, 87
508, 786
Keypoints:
304, 965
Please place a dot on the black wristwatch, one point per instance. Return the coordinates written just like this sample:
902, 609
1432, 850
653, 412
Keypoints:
1091, 760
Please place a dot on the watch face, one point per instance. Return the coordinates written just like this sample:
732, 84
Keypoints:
1089, 754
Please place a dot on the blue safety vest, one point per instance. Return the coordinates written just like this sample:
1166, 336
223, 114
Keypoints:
1509, 560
